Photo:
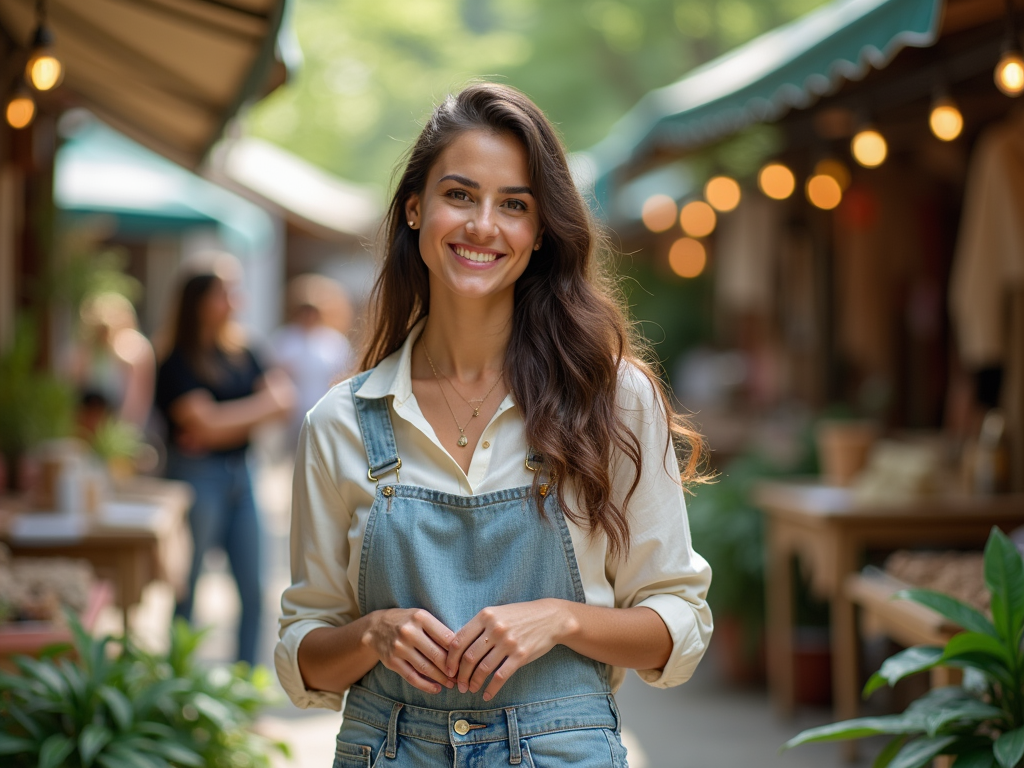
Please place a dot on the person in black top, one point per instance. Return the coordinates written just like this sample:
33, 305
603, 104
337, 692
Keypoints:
213, 391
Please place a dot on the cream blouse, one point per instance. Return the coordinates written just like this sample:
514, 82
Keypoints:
332, 496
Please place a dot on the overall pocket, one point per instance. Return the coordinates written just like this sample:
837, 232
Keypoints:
582, 748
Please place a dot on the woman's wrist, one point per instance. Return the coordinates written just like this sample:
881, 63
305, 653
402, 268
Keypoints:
567, 621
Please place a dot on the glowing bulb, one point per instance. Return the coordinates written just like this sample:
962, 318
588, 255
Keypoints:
869, 148
687, 257
776, 181
698, 219
659, 213
723, 193
1009, 73
20, 111
835, 169
824, 192
945, 120
44, 71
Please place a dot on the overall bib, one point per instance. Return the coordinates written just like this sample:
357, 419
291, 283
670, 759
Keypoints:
454, 555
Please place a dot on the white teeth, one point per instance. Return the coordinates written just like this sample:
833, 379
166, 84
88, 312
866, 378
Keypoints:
481, 258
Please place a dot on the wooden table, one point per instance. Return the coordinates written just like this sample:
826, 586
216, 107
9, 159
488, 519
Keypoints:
143, 536
831, 532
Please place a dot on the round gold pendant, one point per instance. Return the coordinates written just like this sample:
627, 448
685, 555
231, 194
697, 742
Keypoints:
463, 441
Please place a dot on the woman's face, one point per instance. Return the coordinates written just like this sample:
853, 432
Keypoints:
477, 218
215, 308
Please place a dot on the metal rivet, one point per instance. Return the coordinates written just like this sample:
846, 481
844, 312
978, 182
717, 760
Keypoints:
487, 444
543, 489
387, 490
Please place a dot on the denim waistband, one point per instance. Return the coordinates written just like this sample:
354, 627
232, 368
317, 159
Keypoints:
594, 710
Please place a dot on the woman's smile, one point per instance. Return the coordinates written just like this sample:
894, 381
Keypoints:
474, 256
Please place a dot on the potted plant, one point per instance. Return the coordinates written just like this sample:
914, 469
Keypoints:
981, 722
132, 709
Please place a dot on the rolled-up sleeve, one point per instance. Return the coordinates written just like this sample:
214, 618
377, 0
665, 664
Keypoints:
320, 594
661, 571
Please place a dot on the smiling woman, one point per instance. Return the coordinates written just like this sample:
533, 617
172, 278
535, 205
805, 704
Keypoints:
484, 609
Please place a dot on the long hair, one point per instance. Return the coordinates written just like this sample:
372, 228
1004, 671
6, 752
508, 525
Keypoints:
187, 330
570, 339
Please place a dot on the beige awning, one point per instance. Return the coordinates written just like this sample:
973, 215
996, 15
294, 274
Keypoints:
168, 73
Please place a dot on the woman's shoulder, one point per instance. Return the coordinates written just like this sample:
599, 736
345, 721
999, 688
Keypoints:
335, 410
637, 387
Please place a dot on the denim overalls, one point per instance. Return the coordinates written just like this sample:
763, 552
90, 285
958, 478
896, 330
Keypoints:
454, 555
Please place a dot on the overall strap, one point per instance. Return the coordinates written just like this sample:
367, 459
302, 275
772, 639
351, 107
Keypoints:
378, 434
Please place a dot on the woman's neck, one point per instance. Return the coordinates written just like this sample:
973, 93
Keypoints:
466, 338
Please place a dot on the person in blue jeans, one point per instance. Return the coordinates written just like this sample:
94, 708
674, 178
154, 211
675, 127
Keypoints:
488, 522
213, 391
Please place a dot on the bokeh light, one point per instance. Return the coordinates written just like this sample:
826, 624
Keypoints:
698, 219
1009, 74
20, 111
723, 193
44, 71
945, 120
776, 181
687, 257
658, 213
869, 148
824, 191
836, 169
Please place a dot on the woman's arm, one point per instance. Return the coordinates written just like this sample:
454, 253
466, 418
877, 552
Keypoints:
210, 424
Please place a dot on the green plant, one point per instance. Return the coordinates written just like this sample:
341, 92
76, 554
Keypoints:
34, 405
116, 706
116, 439
980, 722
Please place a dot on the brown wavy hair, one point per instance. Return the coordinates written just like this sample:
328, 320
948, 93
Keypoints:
570, 336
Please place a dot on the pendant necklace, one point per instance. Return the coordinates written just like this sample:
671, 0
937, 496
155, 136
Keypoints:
463, 441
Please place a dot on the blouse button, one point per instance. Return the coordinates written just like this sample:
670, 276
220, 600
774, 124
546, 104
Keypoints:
487, 444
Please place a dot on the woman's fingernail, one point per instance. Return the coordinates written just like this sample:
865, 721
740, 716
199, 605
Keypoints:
449, 684
487, 697
463, 687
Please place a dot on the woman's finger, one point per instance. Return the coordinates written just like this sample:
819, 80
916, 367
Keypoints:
414, 678
459, 644
508, 667
477, 650
490, 662
427, 668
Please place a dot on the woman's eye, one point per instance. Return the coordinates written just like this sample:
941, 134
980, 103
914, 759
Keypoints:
517, 205
458, 194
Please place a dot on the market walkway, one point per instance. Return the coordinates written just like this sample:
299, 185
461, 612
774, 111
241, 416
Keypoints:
702, 724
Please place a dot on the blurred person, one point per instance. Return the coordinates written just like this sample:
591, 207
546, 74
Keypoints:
112, 366
314, 354
489, 522
214, 391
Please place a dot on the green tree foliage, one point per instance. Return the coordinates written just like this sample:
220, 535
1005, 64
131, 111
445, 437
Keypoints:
373, 68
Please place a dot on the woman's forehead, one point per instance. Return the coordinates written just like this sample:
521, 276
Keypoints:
485, 157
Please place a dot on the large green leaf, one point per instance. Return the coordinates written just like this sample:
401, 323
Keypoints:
982, 662
1004, 577
920, 752
118, 704
91, 741
44, 673
859, 728
13, 745
1009, 748
975, 642
959, 613
889, 752
179, 754
972, 711
979, 758
55, 750
905, 663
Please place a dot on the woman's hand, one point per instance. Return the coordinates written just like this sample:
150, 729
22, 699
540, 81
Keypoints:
502, 639
413, 643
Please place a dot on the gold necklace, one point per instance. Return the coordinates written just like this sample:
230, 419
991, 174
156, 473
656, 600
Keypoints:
463, 441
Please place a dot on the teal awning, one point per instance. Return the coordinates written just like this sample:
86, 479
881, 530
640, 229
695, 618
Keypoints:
789, 67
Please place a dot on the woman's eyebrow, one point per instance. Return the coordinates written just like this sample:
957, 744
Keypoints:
476, 185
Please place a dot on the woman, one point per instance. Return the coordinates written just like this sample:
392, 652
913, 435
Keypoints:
213, 392
481, 607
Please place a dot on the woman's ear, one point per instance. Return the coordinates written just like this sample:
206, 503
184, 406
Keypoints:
540, 240
412, 211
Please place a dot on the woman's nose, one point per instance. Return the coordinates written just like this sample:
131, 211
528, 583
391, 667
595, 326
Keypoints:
483, 222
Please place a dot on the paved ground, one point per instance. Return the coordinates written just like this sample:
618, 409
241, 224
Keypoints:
702, 724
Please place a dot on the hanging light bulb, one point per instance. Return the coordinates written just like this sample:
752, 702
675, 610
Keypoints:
824, 191
776, 181
20, 110
659, 213
723, 193
1009, 74
698, 219
869, 148
687, 257
43, 70
945, 120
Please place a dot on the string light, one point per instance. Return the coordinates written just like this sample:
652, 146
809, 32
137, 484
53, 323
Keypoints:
776, 181
698, 219
43, 70
687, 257
869, 148
20, 110
945, 119
1009, 74
723, 193
824, 191
832, 167
658, 213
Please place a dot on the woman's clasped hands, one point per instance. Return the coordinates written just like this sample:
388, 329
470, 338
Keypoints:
495, 643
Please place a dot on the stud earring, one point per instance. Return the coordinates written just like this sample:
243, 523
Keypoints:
536, 247
412, 225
